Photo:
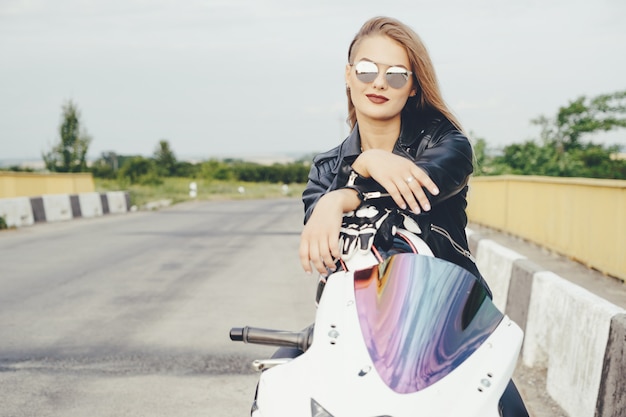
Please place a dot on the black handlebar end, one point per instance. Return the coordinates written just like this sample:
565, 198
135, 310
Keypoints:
236, 334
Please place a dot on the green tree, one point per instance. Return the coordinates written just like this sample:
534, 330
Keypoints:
165, 159
69, 155
561, 150
106, 166
481, 159
583, 116
530, 158
486, 161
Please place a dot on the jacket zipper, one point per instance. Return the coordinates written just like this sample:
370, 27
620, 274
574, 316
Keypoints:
443, 232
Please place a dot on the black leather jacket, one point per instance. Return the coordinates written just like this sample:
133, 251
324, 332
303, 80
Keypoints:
438, 148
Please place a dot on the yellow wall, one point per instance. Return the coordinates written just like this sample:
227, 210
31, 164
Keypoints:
584, 219
27, 184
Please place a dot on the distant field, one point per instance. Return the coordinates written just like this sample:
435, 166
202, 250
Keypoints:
177, 190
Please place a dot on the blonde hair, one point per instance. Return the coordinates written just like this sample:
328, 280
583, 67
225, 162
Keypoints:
428, 95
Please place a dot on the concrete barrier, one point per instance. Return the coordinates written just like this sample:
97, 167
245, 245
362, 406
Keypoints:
75, 205
57, 207
495, 263
117, 202
104, 201
567, 333
612, 396
90, 204
26, 211
17, 212
578, 337
520, 290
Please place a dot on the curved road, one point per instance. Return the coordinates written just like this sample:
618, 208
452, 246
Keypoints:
129, 315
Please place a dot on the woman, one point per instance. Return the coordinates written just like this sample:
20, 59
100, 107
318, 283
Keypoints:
404, 140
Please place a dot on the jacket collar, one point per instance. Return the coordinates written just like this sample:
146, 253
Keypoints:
352, 145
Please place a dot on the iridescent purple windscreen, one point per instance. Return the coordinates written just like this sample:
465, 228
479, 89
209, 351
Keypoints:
421, 317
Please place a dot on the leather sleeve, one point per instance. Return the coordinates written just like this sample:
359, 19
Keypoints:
329, 174
319, 182
324, 175
448, 161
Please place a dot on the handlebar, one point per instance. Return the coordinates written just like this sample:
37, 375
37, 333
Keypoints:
255, 335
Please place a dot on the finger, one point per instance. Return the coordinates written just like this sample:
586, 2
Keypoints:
316, 259
394, 192
305, 260
409, 193
425, 180
327, 257
321, 268
420, 196
333, 246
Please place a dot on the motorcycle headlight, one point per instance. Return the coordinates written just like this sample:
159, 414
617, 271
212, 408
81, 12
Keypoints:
318, 411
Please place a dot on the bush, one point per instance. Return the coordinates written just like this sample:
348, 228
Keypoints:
139, 170
3, 223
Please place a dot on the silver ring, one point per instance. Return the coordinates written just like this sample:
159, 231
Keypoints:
409, 179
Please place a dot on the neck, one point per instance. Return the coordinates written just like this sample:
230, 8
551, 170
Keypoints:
376, 134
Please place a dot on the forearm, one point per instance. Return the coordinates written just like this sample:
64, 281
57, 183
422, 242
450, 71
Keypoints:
348, 198
342, 200
322, 182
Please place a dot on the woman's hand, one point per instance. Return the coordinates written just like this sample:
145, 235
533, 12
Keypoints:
319, 241
402, 179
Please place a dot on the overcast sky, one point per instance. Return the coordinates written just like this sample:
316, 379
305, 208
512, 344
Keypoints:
259, 77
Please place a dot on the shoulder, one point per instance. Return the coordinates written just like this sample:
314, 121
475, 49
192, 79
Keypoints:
437, 132
429, 125
439, 128
329, 155
443, 130
328, 161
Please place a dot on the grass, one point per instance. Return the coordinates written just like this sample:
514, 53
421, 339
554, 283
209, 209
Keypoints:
177, 190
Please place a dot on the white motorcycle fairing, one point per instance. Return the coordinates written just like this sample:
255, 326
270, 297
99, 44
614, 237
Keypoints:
414, 335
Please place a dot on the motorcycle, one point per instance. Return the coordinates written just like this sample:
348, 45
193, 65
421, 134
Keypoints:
399, 333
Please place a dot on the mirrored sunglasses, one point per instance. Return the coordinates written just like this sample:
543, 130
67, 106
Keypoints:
367, 71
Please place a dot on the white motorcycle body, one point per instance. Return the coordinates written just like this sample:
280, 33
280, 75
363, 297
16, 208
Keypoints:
412, 335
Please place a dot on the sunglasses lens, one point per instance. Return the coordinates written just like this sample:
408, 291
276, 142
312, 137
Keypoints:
366, 71
397, 77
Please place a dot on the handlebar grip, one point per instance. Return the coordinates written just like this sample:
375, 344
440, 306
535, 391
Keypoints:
301, 340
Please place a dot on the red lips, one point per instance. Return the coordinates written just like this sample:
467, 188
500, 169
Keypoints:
377, 99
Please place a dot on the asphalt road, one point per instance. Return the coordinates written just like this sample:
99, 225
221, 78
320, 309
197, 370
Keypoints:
128, 315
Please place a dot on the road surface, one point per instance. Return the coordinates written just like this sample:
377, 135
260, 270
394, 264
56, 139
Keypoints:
128, 315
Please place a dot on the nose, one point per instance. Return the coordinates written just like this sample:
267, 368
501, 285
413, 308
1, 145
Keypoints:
380, 82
